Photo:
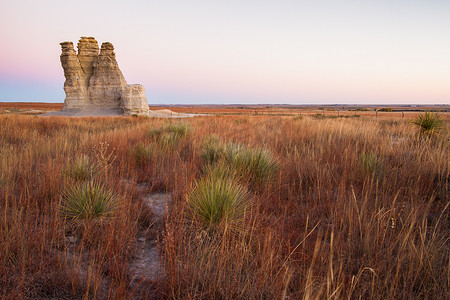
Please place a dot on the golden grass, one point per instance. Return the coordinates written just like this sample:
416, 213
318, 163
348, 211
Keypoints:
325, 227
400, 112
31, 105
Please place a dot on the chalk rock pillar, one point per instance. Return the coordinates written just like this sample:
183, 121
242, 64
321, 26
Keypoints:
74, 86
133, 101
107, 79
87, 54
94, 80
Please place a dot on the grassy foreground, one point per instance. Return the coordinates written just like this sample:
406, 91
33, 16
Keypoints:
343, 208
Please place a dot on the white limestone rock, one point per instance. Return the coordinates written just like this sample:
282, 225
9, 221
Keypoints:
133, 101
94, 80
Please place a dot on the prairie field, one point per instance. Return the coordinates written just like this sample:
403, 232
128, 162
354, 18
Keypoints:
262, 206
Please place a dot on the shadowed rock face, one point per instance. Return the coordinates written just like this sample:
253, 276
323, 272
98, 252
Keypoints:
87, 53
94, 80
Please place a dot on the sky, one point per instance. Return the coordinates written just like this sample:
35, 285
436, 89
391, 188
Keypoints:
238, 52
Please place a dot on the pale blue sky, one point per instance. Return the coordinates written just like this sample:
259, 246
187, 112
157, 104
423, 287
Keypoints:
299, 52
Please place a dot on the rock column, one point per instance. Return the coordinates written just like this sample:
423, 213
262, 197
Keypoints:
107, 80
133, 101
94, 80
74, 86
87, 54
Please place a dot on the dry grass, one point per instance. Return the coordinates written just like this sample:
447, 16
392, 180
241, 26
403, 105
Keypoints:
325, 227
399, 112
31, 105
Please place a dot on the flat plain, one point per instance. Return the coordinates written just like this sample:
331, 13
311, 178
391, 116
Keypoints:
248, 202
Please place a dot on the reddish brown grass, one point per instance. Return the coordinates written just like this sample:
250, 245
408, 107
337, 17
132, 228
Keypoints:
31, 105
326, 227
401, 112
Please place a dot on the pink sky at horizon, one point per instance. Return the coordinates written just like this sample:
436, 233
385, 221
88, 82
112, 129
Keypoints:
297, 52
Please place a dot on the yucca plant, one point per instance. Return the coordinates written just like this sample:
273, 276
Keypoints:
142, 153
221, 170
88, 201
169, 136
232, 151
261, 163
369, 163
212, 150
429, 123
215, 201
83, 169
258, 165
154, 133
169, 141
179, 129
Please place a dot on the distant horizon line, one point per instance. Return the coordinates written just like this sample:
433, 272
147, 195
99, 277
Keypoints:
259, 104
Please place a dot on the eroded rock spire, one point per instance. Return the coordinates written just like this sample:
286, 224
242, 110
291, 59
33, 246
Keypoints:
94, 80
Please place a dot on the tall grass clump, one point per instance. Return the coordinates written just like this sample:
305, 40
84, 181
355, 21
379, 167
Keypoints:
369, 163
170, 135
83, 169
215, 202
222, 170
259, 165
430, 124
88, 201
212, 150
180, 129
169, 141
142, 153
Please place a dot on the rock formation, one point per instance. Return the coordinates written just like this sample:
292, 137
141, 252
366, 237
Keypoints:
94, 80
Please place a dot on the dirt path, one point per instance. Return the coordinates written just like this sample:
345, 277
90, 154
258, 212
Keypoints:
148, 264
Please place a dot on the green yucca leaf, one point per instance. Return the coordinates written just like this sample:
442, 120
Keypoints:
169, 136
88, 201
429, 123
83, 169
215, 201
142, 153
258, 165
212, 150
370, 163
180, 130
